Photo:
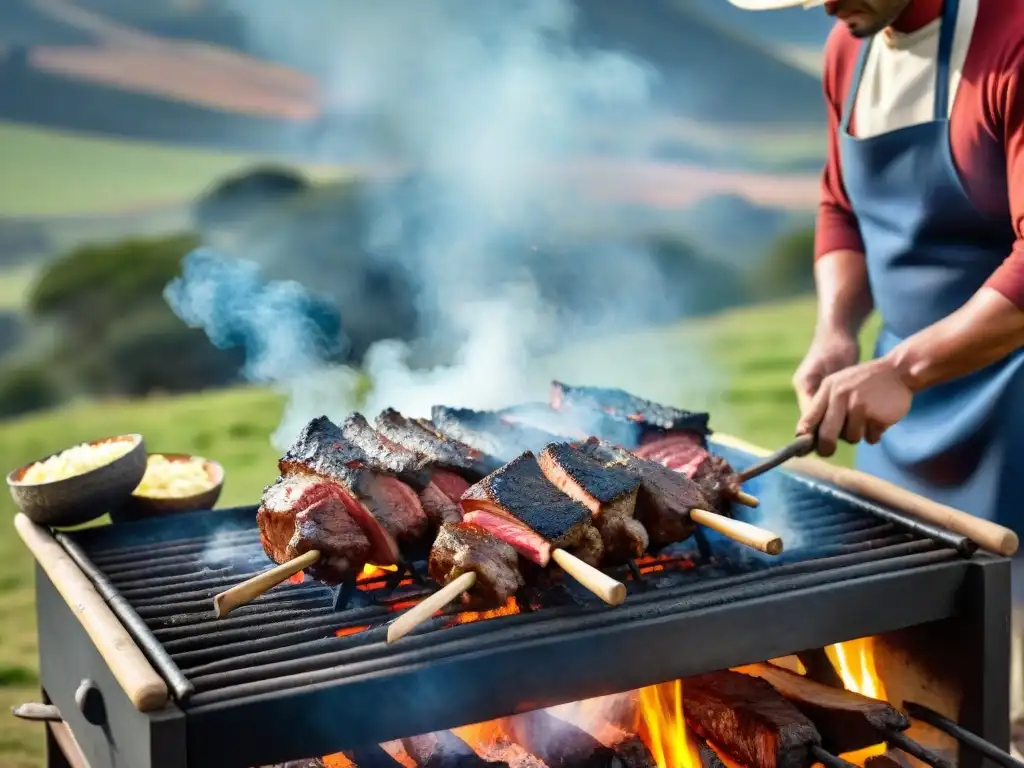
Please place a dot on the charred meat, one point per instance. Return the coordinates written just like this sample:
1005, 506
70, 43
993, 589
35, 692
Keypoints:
423, 439
414, 469
382, 500
302, 513
665, 498
489, 433
520, 494
685, 453
608, 491
748, 718
465, 547
621, 405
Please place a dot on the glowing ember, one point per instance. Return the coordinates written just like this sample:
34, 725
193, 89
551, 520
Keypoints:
296, 578
663, 728
375, 571
510, 607
337, 761
346, 631
855, 662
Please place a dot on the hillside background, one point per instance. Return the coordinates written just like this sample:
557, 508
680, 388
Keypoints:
444, 202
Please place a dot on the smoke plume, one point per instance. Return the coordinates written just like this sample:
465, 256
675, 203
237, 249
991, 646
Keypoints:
494, 105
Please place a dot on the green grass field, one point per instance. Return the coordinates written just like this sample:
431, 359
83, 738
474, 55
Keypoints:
53, 173
750, 356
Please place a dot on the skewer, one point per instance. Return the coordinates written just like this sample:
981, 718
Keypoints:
746, 499
744, 533
601, 584
961, 734
250, 589
427, 607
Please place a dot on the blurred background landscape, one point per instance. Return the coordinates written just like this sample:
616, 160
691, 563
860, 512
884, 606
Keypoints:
485, 196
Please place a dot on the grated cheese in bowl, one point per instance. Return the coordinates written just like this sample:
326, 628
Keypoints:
76, 461
174, 479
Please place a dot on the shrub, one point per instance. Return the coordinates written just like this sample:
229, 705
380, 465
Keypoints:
27, 388
788, 269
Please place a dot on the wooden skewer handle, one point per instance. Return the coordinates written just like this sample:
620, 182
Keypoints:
986, 534
737, 530
601, 584
249, 590
146, 689
427, 607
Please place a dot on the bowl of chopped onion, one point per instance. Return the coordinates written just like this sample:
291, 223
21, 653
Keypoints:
80, 483
173, 482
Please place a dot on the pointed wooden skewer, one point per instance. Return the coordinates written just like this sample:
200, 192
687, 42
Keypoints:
743, 533
250, 589
746, 499
428, 606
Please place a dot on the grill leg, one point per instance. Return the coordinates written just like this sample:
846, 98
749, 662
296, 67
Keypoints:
54, 754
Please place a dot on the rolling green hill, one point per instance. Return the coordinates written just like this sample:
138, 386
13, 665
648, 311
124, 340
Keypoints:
738, 363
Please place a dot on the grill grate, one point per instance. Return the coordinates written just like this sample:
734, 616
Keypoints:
160, 577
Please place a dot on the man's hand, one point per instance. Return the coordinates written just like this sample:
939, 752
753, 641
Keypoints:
857, 403
830, 351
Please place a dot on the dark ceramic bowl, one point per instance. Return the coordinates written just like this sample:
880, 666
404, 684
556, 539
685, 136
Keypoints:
81, 498
139, 507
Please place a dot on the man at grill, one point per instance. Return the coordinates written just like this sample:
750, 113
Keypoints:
922, 218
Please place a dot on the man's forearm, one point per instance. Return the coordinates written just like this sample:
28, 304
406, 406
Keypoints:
844, 294
986, 329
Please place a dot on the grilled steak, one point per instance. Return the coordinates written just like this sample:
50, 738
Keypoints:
463, 547
684, 452
665, 499
301, 513
322, 450
529, 544
422, 438
623, 406
488, 432
412, 468
749, 719
608, 491
519, 492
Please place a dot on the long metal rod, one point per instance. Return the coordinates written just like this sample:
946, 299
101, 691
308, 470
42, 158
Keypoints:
961, 544
132, 622
912, 748
961, 734
802, 446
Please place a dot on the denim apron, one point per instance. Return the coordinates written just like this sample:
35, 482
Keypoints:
928, 251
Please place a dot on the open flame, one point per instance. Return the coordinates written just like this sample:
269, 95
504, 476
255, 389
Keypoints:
510, 607
854, 660
663, 727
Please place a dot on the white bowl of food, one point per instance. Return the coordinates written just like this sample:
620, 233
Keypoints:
80, 483
171, 483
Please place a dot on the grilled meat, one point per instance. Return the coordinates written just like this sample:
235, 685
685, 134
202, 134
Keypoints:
412, 468
383, 502
665, 498
609, 492
520, 493
488, 432
300, 513
624, 406
529, 544
422, 438
684, 452
749, 719
463, 547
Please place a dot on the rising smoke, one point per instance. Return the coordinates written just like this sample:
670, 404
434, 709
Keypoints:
494, 104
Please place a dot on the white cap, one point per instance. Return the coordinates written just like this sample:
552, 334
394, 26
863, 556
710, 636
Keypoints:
775, 5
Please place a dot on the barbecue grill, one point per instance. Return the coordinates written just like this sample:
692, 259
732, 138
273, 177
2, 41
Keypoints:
305, 671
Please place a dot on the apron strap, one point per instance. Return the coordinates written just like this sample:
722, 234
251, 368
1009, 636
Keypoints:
851, 96
946, 35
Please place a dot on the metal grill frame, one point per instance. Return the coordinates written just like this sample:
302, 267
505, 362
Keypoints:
418, 690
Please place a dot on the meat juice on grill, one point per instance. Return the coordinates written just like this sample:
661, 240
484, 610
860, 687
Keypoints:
410, 467
749, 719
665, 497
300, 513
321, 449
466, 547
422, 437
609, 492
488, 432
521, 496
